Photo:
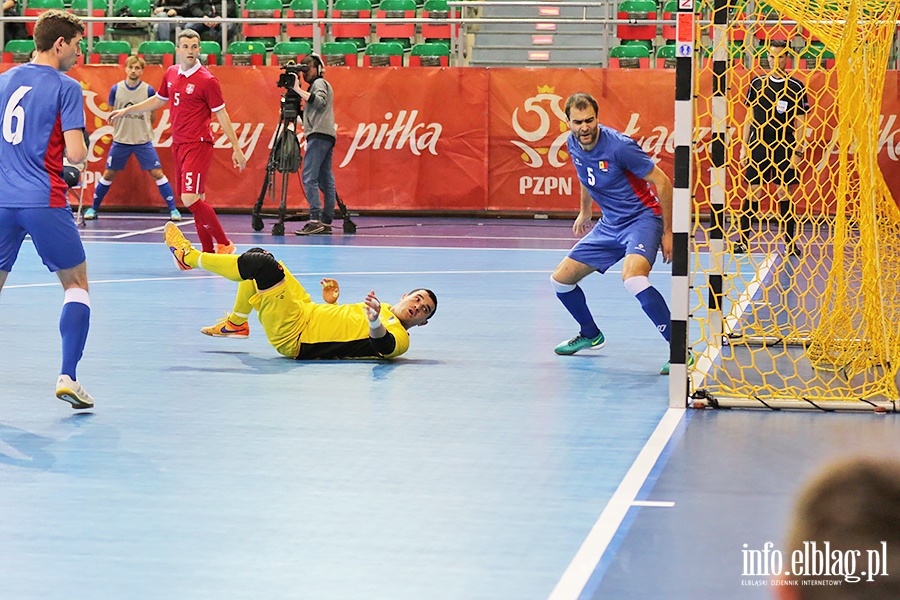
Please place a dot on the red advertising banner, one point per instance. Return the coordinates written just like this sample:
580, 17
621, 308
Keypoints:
454, 139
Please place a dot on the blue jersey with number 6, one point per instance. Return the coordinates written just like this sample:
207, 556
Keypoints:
613, 172
37, 104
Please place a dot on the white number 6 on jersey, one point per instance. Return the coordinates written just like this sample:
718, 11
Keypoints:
14, 115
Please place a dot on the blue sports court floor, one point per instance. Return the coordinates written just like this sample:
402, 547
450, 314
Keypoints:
479, 465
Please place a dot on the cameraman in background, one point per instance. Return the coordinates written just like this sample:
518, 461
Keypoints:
320, 134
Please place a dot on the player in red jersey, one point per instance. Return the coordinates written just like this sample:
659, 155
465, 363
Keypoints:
195, 95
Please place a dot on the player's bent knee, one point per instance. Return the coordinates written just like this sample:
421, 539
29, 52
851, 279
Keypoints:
259, 264
561, 288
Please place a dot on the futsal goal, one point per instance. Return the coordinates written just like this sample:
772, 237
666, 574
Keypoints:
794, 301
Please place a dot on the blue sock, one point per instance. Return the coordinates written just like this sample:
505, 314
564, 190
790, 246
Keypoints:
576, 304
74, 322
165, 190
656, 308
100, 190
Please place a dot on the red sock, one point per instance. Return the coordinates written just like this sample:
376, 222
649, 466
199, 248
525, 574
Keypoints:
206, 240
205, 216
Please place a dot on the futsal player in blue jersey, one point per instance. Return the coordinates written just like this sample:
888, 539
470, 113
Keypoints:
42, 114
615, 173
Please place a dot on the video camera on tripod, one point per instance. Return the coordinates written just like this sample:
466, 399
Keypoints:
285, 156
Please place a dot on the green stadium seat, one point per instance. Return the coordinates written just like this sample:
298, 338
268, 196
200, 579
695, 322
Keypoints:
339, 54
157, 53
135, 8
637, 10
80, 8
429, 55
438, 9
245, 54
816, 56
391, 30
110, 52
383, 54
303, 9
665, 57
284, 52
36, 7
210, 53
632, 56
267, 33
18, 51
358, 33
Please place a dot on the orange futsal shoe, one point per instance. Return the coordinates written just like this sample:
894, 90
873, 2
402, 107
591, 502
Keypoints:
178, 245
226, 328
226, 249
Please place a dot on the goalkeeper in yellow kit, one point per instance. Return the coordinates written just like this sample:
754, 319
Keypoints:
296, 326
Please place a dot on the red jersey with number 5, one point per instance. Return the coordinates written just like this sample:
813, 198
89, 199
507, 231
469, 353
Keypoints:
194, 95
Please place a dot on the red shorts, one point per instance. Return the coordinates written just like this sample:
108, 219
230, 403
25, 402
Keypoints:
191, 166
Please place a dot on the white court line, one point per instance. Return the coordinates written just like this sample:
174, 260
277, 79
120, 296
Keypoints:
295, 274
652, 503
709, 356
150, 230
579, 571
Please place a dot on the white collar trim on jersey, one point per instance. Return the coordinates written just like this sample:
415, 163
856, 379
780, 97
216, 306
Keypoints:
190, 71
776, 79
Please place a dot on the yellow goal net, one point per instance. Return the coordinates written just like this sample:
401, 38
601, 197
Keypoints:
796, 237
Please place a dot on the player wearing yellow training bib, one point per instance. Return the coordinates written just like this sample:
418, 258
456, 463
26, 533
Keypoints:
295, 325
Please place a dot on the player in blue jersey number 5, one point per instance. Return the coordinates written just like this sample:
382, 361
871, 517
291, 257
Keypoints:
636, 221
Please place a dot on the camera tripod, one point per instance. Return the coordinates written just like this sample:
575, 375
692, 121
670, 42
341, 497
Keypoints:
285, 158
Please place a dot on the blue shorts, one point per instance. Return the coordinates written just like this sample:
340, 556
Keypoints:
120, 153
604, 246
52, 230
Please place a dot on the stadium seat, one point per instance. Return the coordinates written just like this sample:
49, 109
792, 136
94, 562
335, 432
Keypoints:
438, 9
303, 9
394, 30
358, 33
637, 10
665, 57
131, 8
339, 54
815, 56
266, 33
383, 54
210, 53
429, 55
99, 8
737, 54
284, 52
737, 14
245, 54
157, 53
766, 33
18, 51
630, 56
36, 7
110, 52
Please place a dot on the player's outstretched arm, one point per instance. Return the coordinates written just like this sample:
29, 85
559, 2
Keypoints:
148, 104
330, 290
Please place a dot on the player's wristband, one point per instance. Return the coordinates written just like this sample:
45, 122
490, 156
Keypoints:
375, 324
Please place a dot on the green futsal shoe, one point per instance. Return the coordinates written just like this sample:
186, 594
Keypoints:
665, 368
579, 343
